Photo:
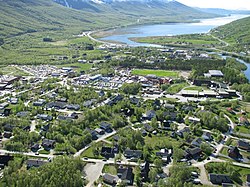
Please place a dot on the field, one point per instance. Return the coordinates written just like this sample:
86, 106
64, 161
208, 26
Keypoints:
182, 40
10, 70
159, 73
175, 88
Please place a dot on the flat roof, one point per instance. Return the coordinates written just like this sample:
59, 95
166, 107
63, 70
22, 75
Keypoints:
215, 73
190, 92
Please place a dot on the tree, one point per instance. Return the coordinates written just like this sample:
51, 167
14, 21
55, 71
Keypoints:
132, 88
206, 149
158, 164
152, 175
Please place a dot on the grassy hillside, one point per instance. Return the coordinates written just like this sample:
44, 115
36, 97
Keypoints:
237, 34
25, 23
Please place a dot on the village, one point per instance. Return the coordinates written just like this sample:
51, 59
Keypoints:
128, 125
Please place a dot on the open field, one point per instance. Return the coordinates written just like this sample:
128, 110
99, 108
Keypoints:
159, 73
10, 70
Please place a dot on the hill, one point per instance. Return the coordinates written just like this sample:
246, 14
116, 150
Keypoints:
236, 33
161, 10
223, 12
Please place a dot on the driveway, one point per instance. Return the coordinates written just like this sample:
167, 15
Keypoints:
93, 172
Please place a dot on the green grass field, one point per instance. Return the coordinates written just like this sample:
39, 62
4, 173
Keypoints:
175, 88
10, 70
159, 73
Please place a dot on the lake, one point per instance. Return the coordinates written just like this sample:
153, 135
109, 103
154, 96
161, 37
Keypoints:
167, 30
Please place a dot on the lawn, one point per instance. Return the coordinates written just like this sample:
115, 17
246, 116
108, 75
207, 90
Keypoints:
78, 66
158, 142
111, 169
10, 70
175, 88
243, 129
159, 73
198, 88
227, 168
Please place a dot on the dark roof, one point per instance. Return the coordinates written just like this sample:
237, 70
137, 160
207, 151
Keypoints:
148, 128
35, 163
219, 178
234, 153
132, 153
244, 145
125, 173
109, 178
57, 104
4, 159
194, 151
134, 100
22, 114
248, 177
104, 125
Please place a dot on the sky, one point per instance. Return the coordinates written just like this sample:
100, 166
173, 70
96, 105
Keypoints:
226, 4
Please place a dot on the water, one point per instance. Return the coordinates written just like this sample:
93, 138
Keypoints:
168, 30
247, 72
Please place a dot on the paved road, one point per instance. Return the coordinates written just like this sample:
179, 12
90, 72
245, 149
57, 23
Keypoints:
98, 140
2, 151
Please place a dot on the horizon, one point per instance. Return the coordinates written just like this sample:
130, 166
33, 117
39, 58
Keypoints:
223, 4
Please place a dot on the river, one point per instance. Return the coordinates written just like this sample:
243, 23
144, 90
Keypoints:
167, 30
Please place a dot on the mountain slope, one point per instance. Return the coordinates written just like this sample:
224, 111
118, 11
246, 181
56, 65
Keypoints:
138, 8
25, 16
237, 34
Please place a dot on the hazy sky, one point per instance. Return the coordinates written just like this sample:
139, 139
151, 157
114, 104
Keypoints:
227, 4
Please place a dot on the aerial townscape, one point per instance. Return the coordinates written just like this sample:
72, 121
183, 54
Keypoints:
102, 93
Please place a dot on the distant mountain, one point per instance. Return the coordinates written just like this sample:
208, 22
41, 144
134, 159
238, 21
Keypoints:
220, 11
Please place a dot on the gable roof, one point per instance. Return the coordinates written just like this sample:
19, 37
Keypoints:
219, 178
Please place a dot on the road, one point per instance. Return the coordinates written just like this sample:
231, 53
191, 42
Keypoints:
98, 140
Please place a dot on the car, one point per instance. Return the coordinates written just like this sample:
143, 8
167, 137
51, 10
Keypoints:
85, 158
36, 153
104, 160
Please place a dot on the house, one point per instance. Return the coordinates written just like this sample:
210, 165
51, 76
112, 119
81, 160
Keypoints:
39, 102
244, 145
165, 155
144, 132
169, 106
35, 147
219, 179
207, 136
244, 121
35, 163
116, 138
194, 153
23, 114
196, 142
194, 120
73, 115
56, 105
100, 131
44, 117
135, 101
106, 127
45, 128
107, 152
248, 180
170, 115
181, 132
148, 128
7, 134
4, 105
126, 175
13, 100
133, 154
101, 93
8, 127
214, 73
234, 153
4, 159
110, 179
144, 171
73, 107
149, 115
5, 112
48, 144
